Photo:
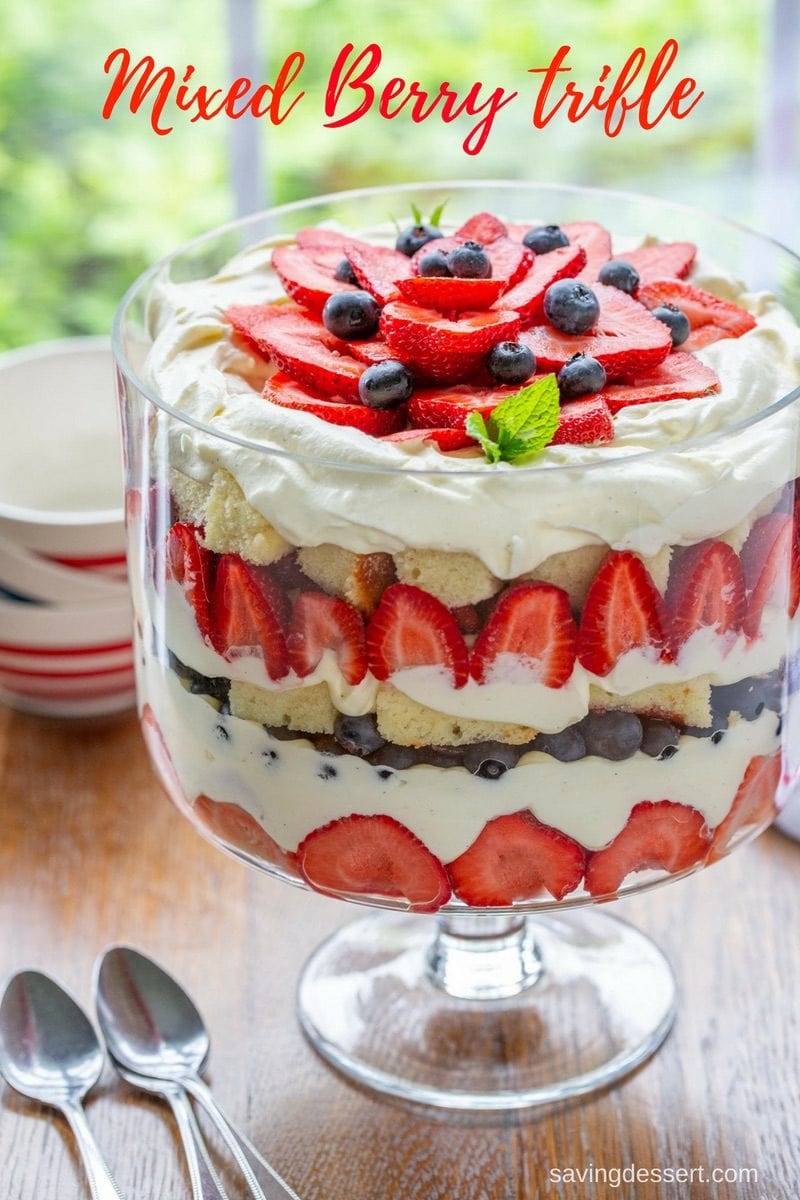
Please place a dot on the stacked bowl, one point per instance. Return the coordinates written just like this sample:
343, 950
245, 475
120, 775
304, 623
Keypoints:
65, 619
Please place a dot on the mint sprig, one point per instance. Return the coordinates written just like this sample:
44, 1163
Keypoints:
521, 425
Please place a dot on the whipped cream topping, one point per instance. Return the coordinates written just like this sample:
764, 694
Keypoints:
335, 484
589, 800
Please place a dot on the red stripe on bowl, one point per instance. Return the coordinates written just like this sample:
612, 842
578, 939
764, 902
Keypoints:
91, 564
51, 690
102, 672
57, 651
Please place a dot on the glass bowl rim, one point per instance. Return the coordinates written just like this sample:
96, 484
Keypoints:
608, 462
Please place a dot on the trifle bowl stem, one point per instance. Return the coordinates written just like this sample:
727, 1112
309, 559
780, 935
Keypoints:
483, 1012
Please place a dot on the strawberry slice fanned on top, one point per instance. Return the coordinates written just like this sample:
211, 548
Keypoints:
626, 339
306, 280
510, 260
378, 269
450, 295
300, 346
527, 296
286, 392
661, 260
483, 228
681, 376
711, 318
443, 349
595, 240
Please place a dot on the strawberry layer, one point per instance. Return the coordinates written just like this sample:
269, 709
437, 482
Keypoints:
511, 695
280, 783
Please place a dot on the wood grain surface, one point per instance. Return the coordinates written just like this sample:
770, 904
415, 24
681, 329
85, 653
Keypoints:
92, 852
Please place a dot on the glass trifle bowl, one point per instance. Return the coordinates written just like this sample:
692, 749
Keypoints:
482, 697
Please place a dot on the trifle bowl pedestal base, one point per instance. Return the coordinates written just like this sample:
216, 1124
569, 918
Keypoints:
486, 1013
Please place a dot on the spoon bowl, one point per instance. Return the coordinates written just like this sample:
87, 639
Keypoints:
48, 1048
150, 1024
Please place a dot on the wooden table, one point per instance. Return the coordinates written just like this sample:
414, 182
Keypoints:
92, 852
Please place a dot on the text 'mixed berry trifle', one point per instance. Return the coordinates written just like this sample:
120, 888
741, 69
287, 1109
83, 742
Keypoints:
475, 585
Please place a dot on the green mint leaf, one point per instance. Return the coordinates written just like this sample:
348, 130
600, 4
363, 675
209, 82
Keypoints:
476, 428
416, 214
436, 215
521, 425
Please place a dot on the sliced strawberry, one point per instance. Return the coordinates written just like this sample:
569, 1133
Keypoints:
527, 296
680, 376
161, 758
532, 624
373, 856
596, 241
371, 350
706, 590
247, 611
444, 349
305, 280
449, 407
234, 825
483, 228
451, 295
663, 260
659, 835
771, 565
378, 268
445, 439
626, 339
287, 393
251, 321
516, 857
297, 345
192, 566
320, 623
316, 240
754, 803
623, 611
710, 317
584, 421
467, 618
411, 628
510, 260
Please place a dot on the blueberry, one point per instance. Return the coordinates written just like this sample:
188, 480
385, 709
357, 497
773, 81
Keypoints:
385, 384
544, 238
327, 744
749, 697
351, 314
327, 771
490, 760
282, 734
677, 321
619, 274
399, 758
567, 745
358, 735
345, 273
221, 733
470, 261
719, 725
660, 738
571, 306
510, 362
414, 237
582, 374
434, 263
612, 735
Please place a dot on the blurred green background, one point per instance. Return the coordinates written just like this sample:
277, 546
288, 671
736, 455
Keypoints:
86, 204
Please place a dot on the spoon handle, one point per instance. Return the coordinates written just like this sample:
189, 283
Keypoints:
264, 1182
203, 1177
101, 1184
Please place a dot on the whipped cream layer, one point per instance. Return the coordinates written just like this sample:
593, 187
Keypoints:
280, 783
509, 696
334, 484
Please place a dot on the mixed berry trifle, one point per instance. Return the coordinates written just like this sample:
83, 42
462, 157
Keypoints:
476, 578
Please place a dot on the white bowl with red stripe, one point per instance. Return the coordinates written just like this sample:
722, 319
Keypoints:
65, 617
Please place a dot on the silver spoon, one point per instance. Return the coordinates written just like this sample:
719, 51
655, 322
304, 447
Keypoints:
153, 1028
204, 1179
49, 1052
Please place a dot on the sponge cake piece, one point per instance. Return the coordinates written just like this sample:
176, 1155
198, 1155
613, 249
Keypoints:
233, 526
408, 723
688, 703
454, 578
306, 709
360, 579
